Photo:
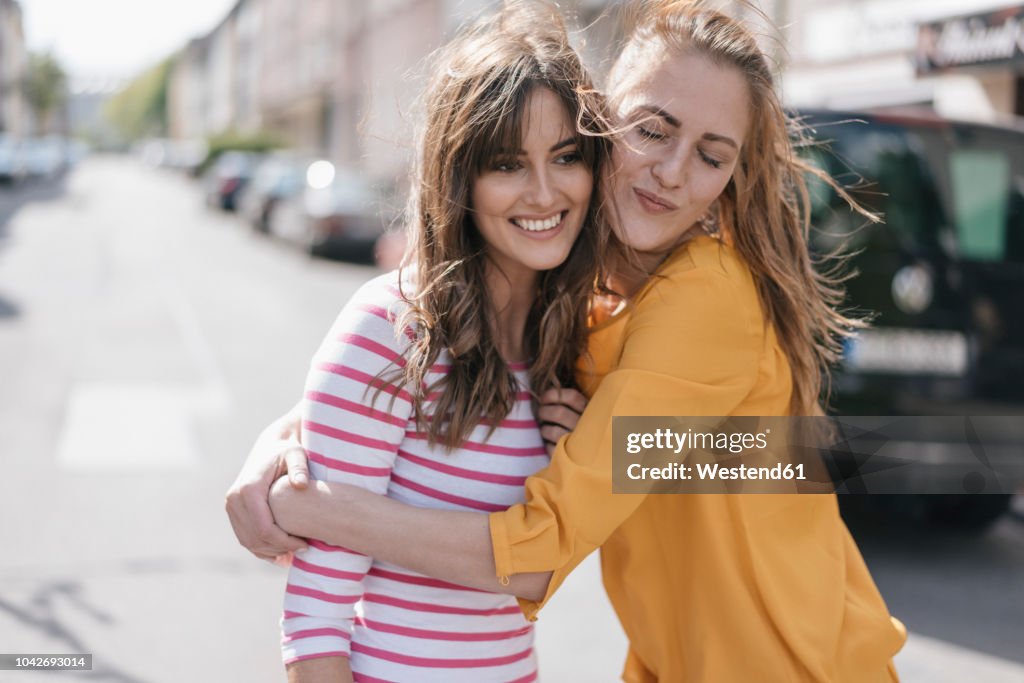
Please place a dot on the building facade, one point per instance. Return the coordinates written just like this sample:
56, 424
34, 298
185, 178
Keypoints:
15, 117
340, 78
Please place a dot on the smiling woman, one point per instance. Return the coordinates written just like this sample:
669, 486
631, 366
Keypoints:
529, 205
491, 310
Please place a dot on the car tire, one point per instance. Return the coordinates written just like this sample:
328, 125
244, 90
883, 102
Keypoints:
311, 242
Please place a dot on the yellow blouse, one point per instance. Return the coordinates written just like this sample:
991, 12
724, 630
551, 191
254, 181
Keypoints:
709, 588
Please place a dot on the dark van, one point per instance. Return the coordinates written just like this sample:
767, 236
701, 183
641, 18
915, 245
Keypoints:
944, 276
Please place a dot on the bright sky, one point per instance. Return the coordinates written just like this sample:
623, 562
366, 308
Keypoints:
116, 38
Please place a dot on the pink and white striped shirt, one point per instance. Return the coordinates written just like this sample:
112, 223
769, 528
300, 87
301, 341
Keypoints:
396, 625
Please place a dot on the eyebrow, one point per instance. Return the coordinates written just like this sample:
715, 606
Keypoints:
564, 143
714, 137
676, 123
661, 113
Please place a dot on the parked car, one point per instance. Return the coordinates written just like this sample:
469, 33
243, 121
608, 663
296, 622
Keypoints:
337, 211
278, 176
13, 168
45, 157
226, 177
944, 275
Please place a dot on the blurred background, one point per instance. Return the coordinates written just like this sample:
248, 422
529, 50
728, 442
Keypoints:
190, 191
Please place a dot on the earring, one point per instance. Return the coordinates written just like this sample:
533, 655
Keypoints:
709, 221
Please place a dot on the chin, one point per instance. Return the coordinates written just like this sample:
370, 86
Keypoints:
650, 240
550, 261
544, 266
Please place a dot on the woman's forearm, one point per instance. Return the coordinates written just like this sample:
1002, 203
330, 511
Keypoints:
449, 545
320, 669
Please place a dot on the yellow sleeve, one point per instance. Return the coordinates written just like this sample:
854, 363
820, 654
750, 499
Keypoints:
692, 347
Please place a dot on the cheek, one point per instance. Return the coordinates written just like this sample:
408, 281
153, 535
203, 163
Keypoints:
582, 187
710, 187
624, 161
494, 198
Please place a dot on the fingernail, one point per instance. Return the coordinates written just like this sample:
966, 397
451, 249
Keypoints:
300, 478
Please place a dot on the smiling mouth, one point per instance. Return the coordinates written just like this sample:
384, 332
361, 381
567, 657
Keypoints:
539, 225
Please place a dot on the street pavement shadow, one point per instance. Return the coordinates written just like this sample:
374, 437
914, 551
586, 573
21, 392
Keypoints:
955, 585
41, 616
14, 197
8, 309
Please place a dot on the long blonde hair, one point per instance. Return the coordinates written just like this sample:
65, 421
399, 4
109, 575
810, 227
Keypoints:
474, 109
765, 208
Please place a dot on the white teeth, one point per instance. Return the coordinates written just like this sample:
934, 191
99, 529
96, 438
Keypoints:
538, 226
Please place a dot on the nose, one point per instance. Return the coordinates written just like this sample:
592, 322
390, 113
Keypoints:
670, 169
541, 191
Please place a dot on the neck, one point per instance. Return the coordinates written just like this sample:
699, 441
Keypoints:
630, 274
511, 297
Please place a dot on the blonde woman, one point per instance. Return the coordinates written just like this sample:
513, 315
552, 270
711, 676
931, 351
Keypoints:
707, 587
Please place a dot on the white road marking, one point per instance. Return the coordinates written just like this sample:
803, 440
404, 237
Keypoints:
937, 661
213, 398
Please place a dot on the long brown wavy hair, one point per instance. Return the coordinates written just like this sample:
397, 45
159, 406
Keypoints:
765, 208
474, 108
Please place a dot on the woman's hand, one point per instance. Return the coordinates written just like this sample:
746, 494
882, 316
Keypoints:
451, 545
277, 449
558, 414
295, 510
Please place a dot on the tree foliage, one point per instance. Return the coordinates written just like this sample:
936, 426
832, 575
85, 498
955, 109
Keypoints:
258, 142
45, 87
140, 109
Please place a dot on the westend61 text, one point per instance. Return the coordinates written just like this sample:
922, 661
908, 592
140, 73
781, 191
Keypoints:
715, 472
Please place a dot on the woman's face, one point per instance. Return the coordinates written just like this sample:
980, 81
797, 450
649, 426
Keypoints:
687, 119
530, 204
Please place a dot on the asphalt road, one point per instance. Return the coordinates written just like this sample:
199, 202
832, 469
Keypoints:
144, 341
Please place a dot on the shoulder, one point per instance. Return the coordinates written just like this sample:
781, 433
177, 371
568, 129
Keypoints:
706, 274
383, 297
369, 318
699, 318
386, 291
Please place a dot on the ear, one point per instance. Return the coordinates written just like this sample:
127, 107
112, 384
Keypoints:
738, 182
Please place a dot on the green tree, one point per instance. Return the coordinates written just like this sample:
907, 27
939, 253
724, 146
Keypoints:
45, 87
140, 109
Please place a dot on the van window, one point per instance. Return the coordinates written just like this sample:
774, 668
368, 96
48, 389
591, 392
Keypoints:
981, 192
988, 172
898, 172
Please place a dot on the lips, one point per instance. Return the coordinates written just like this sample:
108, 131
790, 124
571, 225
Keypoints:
652, 202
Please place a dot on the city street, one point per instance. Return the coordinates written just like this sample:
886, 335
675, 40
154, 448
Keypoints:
144, 341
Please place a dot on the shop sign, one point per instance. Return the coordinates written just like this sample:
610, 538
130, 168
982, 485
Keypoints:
991, 38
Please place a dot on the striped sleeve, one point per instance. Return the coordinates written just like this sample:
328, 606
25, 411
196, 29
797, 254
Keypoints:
351, 432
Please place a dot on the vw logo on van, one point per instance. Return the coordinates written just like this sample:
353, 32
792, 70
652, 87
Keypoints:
912, 289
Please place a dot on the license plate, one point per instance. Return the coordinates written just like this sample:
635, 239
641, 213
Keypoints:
908, 352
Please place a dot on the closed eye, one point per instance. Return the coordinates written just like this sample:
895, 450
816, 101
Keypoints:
650, 134
710, 161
